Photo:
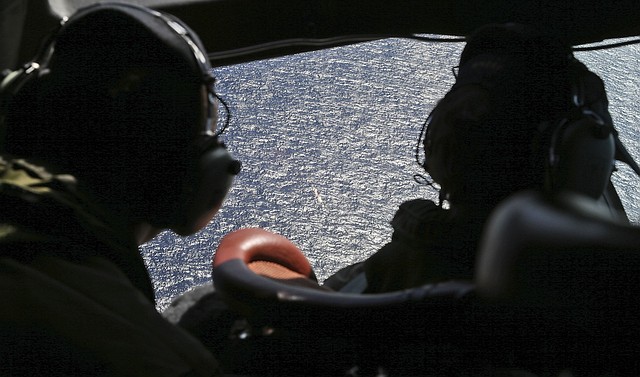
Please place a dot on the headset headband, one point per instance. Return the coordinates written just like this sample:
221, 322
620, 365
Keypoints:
14, 81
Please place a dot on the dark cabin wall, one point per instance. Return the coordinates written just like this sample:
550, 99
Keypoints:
257, 29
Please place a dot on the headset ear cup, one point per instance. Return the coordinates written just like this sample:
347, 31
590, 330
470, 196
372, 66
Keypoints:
584, 158
6, 93
207, 188
18, 86
11, 84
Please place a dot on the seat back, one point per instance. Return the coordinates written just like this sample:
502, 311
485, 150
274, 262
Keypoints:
550, 281
301, 328
267, 278
565, 256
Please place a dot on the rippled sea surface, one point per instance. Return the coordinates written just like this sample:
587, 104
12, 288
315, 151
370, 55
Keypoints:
327, 140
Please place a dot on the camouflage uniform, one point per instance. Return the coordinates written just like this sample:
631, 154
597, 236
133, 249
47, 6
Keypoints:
77, 299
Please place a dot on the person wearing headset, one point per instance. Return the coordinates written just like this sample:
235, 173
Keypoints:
107, 138
517, 94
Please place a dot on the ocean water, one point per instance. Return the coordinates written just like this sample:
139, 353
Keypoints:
328, 141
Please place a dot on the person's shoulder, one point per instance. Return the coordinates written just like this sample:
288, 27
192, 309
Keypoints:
421, 210
416, 218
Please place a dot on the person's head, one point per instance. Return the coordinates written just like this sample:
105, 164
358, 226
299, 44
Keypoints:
125, 102
491, 134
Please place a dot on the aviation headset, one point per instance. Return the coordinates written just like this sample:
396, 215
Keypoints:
580, 147
211, 169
